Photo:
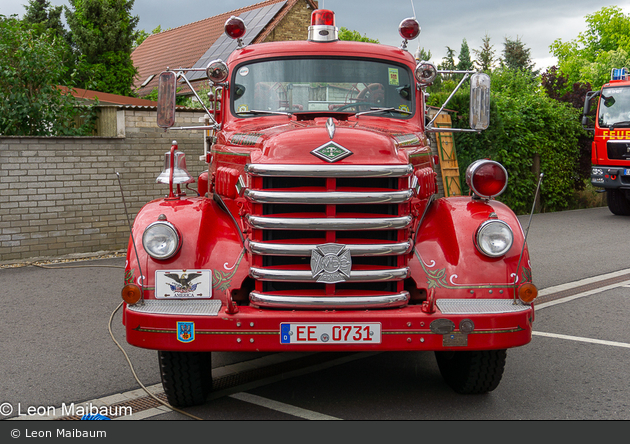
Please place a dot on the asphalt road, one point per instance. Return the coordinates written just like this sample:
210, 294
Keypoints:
57, 348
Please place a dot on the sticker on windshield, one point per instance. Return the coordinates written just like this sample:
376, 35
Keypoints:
242, 109
244, 71
393, 76
404, 108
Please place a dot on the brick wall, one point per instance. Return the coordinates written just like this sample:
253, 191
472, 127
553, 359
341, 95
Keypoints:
60, 195
294, 26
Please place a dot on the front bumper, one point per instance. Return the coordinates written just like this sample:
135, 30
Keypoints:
498, 324
613, 177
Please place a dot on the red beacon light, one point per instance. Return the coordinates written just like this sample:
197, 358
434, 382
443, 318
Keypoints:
235, 29
408, 29
486, 178
323, 27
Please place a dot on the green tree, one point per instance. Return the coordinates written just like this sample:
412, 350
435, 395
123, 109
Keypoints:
40, 11
102, 32
516, 56
604, 45
350, 35
464, 63
485, 58
31, 68
142, 35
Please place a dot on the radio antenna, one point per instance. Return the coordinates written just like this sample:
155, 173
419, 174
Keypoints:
413, 9
132, 238
540, 178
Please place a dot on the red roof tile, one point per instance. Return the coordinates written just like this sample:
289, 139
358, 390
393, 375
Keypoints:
182, 47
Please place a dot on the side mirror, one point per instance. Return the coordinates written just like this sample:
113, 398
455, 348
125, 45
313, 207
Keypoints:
166, 99
479, 101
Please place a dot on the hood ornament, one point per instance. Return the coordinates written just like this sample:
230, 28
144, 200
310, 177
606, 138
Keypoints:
330, 127
331, 263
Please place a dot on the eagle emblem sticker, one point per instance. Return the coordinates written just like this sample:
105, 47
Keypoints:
331, 152
183, 284
185, 331
331, 263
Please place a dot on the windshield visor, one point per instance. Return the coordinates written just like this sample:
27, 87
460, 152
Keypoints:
322, 85
614, 107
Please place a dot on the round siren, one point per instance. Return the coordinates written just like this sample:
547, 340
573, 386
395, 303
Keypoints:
235, 27
409, 29
323, 17
486, 178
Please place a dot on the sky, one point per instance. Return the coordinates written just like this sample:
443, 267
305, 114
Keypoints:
537, 23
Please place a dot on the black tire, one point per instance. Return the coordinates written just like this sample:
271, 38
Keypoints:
186, 377
472, 372
618, 202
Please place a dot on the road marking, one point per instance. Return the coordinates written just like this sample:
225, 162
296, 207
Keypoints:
282, 407
576, 338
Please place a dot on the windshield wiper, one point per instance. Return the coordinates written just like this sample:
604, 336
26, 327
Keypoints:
623, 123
257, 112
379, 110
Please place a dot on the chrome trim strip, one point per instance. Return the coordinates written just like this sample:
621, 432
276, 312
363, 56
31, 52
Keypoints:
329, 170
480, 306
329, 302
329, 197
341, 224
272, 274
274, 249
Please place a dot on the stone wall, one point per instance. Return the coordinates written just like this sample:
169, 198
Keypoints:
60, 195
294, 26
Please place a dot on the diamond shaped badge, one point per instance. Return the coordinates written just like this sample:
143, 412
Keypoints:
331, 152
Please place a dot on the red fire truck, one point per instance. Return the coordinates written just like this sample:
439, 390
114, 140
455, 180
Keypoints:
317, 225
610, 153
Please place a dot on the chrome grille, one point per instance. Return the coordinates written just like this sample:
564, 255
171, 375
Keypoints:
296, 209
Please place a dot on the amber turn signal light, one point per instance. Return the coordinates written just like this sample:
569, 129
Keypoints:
131, 294
527, 293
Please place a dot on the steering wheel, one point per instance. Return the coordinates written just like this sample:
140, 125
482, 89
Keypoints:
374, 93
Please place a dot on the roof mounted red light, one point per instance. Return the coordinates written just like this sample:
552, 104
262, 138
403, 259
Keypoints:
409, 28
235, 28
486, 178
323, 27
323, 17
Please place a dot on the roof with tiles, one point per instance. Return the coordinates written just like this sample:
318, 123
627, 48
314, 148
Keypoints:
185, 45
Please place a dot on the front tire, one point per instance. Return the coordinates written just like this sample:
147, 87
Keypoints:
186, 377
618, 202
472, 372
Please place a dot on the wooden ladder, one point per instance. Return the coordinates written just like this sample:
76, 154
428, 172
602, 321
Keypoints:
448, 157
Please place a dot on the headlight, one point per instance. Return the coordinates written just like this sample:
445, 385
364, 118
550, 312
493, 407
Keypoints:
494, 238
160, 240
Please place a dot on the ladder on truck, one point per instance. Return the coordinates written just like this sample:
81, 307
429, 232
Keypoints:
448, 157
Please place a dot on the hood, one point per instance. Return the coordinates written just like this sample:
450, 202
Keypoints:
300, 142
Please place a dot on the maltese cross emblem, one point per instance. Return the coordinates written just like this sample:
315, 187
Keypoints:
331, 263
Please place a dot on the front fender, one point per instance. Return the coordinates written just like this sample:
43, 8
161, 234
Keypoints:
445, 257
209, 241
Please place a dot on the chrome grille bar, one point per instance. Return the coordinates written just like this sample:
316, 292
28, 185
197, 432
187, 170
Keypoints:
272, 274
340, 224
329, 170
273, 249
333, 302
329, 197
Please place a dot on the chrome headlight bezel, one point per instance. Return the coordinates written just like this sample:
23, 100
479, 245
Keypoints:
499, 230
170, 243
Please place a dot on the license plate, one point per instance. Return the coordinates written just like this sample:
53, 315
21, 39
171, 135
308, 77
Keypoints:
626, 172
183, 284
330, 333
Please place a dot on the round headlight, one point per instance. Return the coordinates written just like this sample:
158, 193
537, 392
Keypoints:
425, 73
217, 71
160, 240
494, 238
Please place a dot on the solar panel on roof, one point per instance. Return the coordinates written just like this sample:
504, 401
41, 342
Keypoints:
255, 20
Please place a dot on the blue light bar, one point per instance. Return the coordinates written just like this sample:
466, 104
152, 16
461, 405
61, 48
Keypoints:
619, 74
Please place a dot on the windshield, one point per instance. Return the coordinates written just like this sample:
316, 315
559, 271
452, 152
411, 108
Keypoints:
322, 85
614, 107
